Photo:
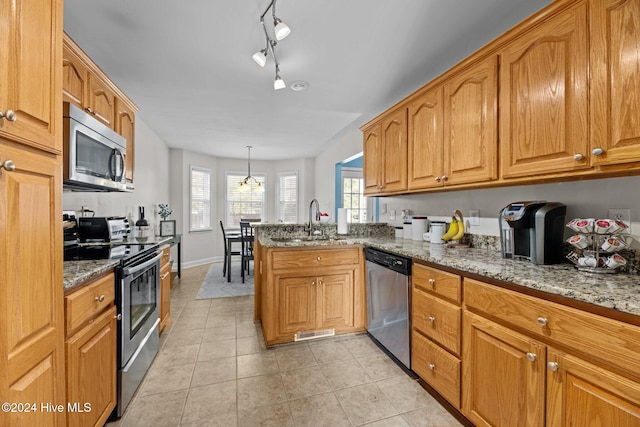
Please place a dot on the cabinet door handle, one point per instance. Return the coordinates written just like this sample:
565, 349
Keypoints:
320, 282
318, 258
531, 357
597, 151
100, 298
553, 366
313, 283
431, 319
164, 276
10, 115
118, 316
542, 321
89, 110
8, 165
445, 178
432, 282
578, 157
432, 366
438, 179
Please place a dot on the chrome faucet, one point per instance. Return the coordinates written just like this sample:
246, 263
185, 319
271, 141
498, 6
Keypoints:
317, 213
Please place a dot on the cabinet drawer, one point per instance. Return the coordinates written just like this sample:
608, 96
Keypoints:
314, 258
437, 319
441, 283
611, 341
87, 302
437, 367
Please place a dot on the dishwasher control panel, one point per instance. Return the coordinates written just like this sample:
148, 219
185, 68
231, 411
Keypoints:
393, 262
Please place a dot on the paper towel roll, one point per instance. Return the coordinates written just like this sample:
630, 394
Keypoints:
343, 221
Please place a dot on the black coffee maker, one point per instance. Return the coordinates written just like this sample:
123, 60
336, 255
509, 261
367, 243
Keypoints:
533, 231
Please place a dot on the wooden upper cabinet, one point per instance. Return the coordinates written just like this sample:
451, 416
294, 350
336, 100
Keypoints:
615, 81
371, 152
425, 140
393, 159
544, 97
101, 103
471, 125
125, 126
30, 54
74, 77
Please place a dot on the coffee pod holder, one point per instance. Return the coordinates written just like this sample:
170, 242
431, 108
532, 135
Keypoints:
594, 250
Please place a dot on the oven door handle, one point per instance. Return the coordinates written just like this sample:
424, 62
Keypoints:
133, 270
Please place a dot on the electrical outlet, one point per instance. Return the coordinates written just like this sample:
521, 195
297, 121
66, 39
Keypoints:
623, 215
392, 214
474, 217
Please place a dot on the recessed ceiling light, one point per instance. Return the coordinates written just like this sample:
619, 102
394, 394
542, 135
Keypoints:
299, 85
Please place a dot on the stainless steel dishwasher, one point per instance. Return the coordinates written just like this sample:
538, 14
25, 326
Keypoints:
388, 302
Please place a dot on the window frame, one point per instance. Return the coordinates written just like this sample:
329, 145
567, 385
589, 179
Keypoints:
297, 199
355, 173
200, 169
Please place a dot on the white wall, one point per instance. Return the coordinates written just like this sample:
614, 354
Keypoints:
205, 246
151, 179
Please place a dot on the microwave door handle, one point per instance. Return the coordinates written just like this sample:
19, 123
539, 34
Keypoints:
112, 165
120, 156
124, 165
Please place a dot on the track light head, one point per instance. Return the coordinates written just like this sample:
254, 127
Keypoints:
278, 83
260, 57
281, 29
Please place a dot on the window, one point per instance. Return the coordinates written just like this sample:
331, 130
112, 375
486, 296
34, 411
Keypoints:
200, 199
248, 204
352, 194
288, 198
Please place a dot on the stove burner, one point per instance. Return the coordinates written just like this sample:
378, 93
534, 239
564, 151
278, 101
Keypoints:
126, 252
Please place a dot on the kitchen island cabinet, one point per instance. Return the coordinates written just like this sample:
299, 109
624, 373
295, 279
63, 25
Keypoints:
91, 352
307, 292
31, 291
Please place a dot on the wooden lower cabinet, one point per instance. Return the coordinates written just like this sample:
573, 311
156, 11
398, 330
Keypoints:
307, 291
165, 289
91, 352
581, 394
91, 372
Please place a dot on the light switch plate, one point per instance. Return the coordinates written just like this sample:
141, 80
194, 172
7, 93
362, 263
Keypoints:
474, 217
392, 214
621, 214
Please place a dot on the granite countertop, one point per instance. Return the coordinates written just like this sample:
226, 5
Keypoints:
78, 272
620, 292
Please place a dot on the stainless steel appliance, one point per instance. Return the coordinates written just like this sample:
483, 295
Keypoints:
533, 231
103, 229
94, 155
388, 303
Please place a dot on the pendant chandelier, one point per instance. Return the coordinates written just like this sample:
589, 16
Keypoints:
245, 185
280, 30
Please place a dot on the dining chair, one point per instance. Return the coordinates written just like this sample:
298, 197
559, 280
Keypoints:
246, 231
227, 248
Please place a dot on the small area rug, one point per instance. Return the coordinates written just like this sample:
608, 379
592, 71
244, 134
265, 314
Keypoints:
215, 285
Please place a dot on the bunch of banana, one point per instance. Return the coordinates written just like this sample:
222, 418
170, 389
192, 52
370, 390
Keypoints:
456, 229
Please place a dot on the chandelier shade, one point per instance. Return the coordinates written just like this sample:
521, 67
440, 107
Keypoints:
246, 183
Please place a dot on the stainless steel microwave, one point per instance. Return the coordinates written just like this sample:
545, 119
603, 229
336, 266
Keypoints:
94, 155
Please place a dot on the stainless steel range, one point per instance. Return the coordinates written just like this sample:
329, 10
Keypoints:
137, 300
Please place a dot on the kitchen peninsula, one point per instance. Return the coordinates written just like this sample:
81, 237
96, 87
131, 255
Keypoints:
554, 329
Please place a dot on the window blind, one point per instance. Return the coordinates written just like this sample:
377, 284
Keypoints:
200, 199
288, 203
248, 204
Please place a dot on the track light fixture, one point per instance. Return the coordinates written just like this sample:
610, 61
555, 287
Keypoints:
280, 31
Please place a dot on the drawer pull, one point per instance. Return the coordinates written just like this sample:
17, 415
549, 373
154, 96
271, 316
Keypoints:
8, 165
164, 276
542, 321
531, 357
432, 366
100, 298
318, 258
432, 282
553, 366
431, 319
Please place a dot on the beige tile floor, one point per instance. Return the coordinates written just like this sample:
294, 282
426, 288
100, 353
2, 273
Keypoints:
213, 369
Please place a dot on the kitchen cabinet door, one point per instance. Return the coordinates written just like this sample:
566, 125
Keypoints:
297, 304
30, 75
75, 77
125, 126
503, 375
335, 300
471, 124
91, 371
31, 289
101, 102
393, 158
371, 152
165, 295
544, 98
615, 81
582, 394
425, 159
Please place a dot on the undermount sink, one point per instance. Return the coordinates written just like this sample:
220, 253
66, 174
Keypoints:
304, 239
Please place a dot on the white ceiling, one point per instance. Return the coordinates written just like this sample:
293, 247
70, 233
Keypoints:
187, 64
